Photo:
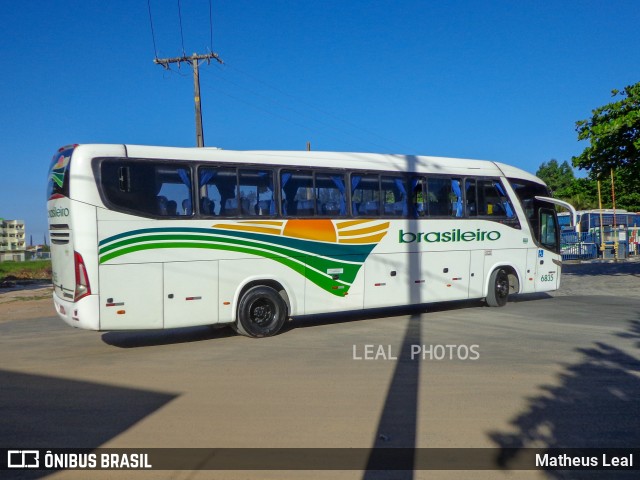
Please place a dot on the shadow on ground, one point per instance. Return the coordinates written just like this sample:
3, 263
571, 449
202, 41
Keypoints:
594, 405
599, 268
47, 412
153, 338
411, 311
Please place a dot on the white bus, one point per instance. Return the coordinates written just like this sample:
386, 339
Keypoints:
156, 237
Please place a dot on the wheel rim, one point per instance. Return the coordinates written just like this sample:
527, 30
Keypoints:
262, 312
502, 286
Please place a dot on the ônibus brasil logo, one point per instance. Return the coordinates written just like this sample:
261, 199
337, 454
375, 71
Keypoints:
455, 235
58, 212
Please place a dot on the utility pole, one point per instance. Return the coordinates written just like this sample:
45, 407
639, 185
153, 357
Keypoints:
194, 61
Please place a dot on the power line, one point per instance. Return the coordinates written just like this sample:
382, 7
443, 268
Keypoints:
301, 114
153, 35
322, 111
210, 28
326, 120
181, 34
194, 61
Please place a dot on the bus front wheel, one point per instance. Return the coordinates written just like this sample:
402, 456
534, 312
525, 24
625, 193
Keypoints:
498, 288
261, 312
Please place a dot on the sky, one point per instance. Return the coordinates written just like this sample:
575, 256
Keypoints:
493, 80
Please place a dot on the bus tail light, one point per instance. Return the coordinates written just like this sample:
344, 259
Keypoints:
82, 279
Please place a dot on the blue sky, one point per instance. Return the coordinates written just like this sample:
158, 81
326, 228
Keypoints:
497, 80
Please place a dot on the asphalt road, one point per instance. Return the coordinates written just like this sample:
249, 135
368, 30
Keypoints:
558, 370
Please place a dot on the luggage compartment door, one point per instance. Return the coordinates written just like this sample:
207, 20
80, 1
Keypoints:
131, 296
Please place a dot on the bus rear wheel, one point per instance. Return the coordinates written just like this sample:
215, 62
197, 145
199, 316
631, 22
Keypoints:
261, 312
498, 288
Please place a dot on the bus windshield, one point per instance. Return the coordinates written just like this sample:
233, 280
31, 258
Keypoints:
537, 212
58, 182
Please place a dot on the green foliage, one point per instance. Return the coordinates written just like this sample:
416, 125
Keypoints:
613, 132
582, 194
558, 177
36, 269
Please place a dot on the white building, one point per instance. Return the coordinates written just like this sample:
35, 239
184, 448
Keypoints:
12, 240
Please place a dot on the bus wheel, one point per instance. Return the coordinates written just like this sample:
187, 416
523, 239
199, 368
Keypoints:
498, 288
261, 312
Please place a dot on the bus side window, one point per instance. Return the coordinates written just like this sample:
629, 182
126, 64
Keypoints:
217, 187
492, 199
146, 188
456, 198
470, 194
331, 194
173, 185
418, 195
256, 193
297, 193
439, 196
365, 195
394, 197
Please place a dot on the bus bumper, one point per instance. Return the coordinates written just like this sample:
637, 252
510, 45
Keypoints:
82, 314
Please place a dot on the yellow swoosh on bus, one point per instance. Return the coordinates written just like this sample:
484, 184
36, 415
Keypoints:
321, 230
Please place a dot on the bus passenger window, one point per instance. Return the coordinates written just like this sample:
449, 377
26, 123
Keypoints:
439, 197
492, 199
297, 193
331, 194
456, 198
256, 193
394, 197
144, 187
418, 190
365, 195
217, 187
174, 185
470, 194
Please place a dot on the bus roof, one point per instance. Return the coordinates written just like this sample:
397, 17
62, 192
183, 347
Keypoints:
350, 160
342, 160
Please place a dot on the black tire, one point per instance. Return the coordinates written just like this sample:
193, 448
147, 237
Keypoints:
498, 288
261, 312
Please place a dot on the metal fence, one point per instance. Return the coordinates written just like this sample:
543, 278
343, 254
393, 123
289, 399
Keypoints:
578, 246
588, 245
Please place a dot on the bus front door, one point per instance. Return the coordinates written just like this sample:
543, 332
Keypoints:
548, 262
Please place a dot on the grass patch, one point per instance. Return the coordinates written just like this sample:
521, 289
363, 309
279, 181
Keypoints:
32, 297
29, 270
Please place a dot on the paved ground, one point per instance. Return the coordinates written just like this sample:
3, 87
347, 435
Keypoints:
556, 370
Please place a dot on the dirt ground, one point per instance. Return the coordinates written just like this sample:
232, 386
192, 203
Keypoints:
26, 303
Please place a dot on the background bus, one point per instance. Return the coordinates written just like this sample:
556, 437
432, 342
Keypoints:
597, 232
158, 237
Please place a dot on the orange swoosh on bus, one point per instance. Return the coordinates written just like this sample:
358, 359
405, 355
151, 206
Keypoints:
362, 231
248, 228
320, 230
369, 239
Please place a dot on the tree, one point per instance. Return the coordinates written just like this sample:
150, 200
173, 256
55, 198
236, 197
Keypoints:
613, 132
582, 194
558, 177
614, 135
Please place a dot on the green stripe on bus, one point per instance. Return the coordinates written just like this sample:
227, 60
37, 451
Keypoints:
326, 283
350, 270
359, 251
